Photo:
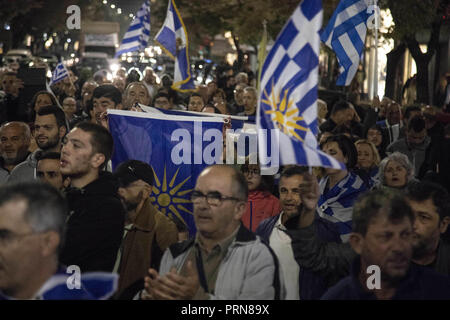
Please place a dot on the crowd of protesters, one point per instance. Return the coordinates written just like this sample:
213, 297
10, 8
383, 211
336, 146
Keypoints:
299, 234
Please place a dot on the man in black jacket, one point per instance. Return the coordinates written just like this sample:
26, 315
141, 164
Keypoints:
96, 221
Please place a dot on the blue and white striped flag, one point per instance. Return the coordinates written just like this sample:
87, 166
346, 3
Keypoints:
288, 97
173, 39
345, 34
136, 37
59, 73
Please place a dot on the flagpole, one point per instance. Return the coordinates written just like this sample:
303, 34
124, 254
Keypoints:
375, 70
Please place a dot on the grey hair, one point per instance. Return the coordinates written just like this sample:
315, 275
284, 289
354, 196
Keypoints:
25, 128
46, 208
252, 89
402, 159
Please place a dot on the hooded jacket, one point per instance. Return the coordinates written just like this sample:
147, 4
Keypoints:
95, 225
260, 205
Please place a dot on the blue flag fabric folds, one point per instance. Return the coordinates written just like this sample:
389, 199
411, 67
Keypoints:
173, 39
137, 35
178, 148
345, 34
288, 98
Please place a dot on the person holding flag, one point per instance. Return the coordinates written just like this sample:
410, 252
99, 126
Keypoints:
173, 39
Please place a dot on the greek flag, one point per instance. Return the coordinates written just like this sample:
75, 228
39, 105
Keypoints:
173, 39
136, 37
345, 34
288, 95
59, 73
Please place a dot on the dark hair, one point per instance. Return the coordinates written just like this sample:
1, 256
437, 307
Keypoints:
196, 94
379, 201
267, 181
46, 208
57, 112
161, 94
37, 94
422, 191
108, 91
293, 170
339, 106
416, 124
410, 109
347, 147
101, 140
42, 155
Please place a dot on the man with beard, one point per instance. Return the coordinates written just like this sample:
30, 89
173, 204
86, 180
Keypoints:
431, 206
95, 224
148, 232
382, 230
237, 107
49, 129
14, 143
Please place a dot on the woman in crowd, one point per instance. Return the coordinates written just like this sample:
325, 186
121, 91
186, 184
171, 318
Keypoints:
339, 189
368, 161
377, 136
395, 171
262, 203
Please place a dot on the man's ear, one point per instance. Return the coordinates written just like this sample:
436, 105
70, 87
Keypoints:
443, 225
97, 160
239, 210
50, 243
356, 242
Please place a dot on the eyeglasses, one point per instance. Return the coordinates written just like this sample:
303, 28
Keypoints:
212, 198
255, 172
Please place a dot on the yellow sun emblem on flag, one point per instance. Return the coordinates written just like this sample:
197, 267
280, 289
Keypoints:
167, 197
283, 113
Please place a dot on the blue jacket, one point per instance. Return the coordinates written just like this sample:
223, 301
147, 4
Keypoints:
420, 283
312, 285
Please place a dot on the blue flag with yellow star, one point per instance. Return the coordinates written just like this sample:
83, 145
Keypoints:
177, 147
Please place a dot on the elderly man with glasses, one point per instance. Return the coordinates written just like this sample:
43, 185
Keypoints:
224, 260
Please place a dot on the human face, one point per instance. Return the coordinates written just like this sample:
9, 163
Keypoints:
132, 194
253, 176
119, 83
13, 144
393, 114
42, 101
87, 90
332, 148
238, 93
137, 93
427, 227
69, 106
290, 194
46, 132
162, 103
48, 170
249, 99
149, 77
395, 175
218, 98
217, 222
20, 250
387, 244
374, 136
343, 117
365, 156
8, 83
195, 104
101, 105
416, 138
77, 154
